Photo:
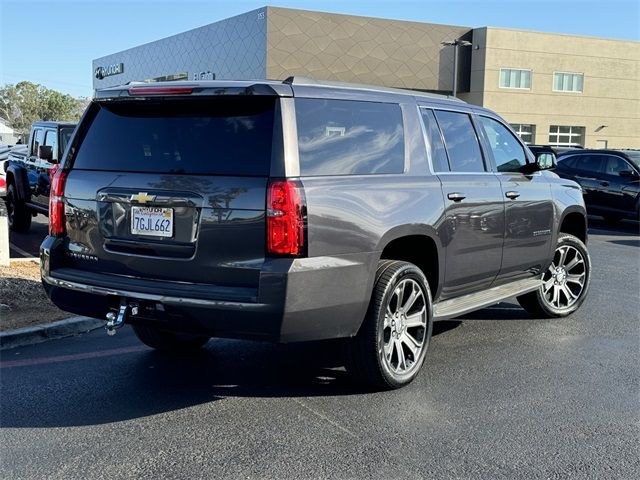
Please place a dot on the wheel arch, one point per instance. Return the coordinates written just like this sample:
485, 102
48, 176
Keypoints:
18, 176
574, 222
417, 244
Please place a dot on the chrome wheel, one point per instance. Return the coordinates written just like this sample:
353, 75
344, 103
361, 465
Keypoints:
405, 324
564, 280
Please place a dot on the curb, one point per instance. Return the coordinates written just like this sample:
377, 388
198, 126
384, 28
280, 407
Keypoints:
41, 333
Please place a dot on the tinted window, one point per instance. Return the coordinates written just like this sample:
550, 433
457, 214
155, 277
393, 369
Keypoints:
567, 162
614, 165
438, 153
341, 137
228, 136
38, 138
588, 163
634, 156
65, 136
461, 142
507, 151
51, 140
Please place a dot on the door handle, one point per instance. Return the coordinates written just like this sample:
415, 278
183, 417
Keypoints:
512, 195
604, 184
456, 196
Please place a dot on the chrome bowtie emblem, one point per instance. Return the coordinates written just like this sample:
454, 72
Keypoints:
143, 197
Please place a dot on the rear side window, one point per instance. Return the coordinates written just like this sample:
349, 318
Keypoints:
461, 141
225, 136
342, 137
588, 163
567, 162
438, 153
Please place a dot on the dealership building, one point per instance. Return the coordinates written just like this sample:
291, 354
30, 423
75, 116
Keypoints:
553, 88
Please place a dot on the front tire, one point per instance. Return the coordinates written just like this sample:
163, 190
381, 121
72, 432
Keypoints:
391, 345
564, 284
18, 214
169, 341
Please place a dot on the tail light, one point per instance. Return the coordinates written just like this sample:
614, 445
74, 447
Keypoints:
160, 90
285, 218
56, 202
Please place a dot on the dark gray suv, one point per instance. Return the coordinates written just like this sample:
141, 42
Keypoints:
297, 210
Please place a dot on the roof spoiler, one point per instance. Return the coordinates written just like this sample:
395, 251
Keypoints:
188, 89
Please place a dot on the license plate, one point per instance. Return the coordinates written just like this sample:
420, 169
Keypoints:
154, 221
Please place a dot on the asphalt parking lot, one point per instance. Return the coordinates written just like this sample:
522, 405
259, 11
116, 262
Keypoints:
502, 395
23, 245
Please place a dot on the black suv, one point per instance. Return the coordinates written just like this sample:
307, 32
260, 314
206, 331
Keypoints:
301, 211
610, 180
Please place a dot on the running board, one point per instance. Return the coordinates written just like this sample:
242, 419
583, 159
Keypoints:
475, 301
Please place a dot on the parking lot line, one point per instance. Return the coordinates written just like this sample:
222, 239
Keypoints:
69, 358
20, 251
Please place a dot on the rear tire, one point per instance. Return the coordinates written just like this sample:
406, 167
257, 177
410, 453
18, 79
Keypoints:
562, 294
390, 347
169, 341
18, 213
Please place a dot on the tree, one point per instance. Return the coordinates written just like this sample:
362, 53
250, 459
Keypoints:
27, 102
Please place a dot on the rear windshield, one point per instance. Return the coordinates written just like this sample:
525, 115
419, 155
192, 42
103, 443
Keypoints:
224, 136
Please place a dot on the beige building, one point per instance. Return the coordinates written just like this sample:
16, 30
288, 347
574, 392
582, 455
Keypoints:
372, 51
555, 89
559, 89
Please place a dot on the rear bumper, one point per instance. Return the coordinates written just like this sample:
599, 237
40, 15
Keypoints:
297, 300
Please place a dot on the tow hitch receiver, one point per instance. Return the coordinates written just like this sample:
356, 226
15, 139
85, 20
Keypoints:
116, 320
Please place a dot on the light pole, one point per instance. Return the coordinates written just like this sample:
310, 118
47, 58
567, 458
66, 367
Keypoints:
455, 43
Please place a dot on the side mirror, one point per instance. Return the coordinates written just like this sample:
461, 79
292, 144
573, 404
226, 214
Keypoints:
45, 152
627, 173
545, 160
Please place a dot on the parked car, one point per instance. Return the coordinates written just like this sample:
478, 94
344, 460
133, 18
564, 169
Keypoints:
4, 154
557, 151
610, 180
5, 151
27, 172
302, 211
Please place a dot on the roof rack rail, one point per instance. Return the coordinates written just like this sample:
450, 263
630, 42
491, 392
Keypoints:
312, 82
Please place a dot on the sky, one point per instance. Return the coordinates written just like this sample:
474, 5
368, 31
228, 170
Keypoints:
53, 42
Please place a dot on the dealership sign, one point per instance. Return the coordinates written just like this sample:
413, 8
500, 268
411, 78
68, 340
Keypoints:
208, 75
114, 69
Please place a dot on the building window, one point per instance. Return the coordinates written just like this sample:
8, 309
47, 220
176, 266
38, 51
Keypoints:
567, 82
565, 136
515, 78
525, 131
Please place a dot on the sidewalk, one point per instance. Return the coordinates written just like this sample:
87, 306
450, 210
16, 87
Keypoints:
26, 314
41, 333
